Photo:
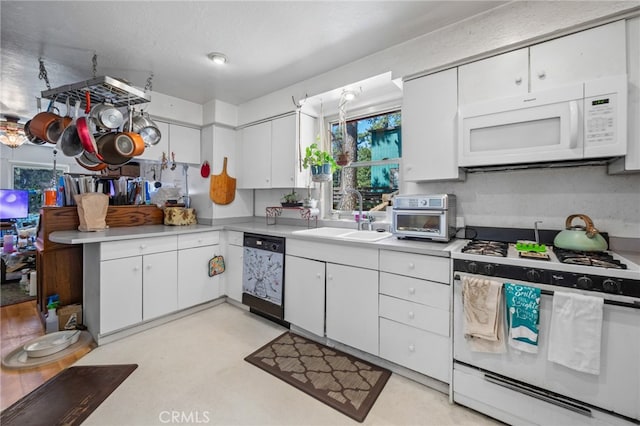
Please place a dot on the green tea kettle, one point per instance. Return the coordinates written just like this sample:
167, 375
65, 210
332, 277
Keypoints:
578, 237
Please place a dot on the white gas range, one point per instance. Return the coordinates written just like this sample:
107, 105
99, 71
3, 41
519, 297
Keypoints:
523, 388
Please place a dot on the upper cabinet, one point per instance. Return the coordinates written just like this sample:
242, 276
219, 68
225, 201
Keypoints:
586, 55
183, 141
429, 108
271, 152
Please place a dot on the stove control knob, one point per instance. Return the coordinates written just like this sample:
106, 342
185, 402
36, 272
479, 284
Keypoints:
423, 203
472, 267
584, 283
611, 286
489, 269
533, 275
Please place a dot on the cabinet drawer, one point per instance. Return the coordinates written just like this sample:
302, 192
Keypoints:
415, 290
418, 350
199, 239
416, 265
235, 238
415, 314
136, 247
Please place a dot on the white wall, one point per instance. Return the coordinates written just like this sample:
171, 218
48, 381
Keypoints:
502, 199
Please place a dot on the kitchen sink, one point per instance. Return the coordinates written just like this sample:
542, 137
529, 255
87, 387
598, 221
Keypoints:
344, 234
365, 235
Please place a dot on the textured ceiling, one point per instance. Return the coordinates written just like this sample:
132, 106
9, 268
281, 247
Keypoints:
270, 45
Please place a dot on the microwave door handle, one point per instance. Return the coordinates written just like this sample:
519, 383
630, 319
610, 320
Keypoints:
573, 122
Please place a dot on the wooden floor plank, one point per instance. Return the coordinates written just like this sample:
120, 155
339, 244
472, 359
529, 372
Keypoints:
20, 323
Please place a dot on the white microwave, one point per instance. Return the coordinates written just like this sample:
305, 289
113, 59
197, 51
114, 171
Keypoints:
581, 121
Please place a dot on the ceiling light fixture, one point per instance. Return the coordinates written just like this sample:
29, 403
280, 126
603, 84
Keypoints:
12, 132
218, 58
349, 95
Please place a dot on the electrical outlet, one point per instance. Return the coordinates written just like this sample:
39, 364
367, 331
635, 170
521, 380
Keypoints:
459, 222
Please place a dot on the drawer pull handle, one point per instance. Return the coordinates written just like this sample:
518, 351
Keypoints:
330, 277
136, 269
411, 265
412, 290
200, 241
143, 246
318, 275
412, 348
411, 315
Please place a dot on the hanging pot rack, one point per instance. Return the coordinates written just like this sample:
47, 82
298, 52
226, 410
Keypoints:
101, 89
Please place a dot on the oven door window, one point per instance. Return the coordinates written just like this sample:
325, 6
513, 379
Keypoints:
263, 273
421, 222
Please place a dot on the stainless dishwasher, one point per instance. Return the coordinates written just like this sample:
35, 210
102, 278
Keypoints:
263, 275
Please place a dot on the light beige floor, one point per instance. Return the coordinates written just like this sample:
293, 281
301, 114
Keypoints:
192, 371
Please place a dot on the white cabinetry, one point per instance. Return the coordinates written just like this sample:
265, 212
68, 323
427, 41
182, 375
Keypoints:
271, 152
195, 286
255, 142
351, 284
233, 266
305, 293
429, 111
586, 55
138, 281
352, 306
183, 141
415, 312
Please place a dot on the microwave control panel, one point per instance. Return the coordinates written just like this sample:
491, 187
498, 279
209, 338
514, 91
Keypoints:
599, 120
423, 202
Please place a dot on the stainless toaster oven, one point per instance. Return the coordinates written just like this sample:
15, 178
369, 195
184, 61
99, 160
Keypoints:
431, 217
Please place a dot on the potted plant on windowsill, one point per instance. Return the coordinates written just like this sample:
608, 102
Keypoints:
290, 200
321, 163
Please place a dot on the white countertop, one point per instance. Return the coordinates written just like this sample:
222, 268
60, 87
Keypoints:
256, 226
126, 233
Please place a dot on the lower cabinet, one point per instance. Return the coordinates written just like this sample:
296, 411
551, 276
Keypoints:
135, 289
352, 306
195, 286
305, 292
415, 312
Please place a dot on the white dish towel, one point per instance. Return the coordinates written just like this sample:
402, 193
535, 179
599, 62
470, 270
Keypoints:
576, 331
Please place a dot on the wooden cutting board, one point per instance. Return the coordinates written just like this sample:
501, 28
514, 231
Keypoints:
222, 189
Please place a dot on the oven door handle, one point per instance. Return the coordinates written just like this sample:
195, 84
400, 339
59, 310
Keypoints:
541, 395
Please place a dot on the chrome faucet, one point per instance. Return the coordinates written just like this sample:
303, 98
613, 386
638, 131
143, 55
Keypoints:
359, 195
535, 230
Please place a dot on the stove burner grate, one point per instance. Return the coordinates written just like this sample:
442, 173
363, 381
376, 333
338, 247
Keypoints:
486, 248
599, 259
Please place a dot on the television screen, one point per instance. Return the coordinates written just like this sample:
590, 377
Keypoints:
14, 204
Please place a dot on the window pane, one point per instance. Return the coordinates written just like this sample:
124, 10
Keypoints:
35, 180
367, 139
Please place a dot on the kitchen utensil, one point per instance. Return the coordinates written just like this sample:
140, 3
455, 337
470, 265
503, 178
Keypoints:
107, 116
86, 136
222, 188
130, 144
107, 147
30, 136
205, 169
578, 237
69, 140
145, 127
48, 126
89, 163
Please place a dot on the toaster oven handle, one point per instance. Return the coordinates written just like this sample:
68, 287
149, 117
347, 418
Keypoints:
573, 122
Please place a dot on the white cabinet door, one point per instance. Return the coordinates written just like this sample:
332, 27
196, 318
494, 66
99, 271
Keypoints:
255, 144
120, 293
283, 152
500, 76
429, 111
352, 306
233, 272
304, 293
154, 152
195, 286
159, 284
586, 55
184, 142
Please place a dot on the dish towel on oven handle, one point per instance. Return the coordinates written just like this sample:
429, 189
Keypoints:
523, 315
483, 314
575, 333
